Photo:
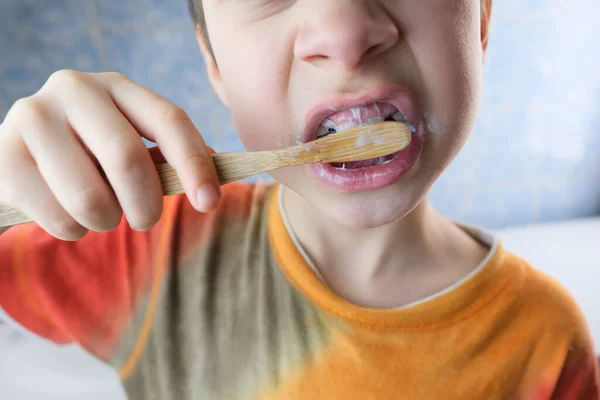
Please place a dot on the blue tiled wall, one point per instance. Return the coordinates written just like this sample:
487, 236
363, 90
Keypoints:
535, 154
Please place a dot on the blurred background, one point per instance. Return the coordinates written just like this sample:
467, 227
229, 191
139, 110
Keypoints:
534, 156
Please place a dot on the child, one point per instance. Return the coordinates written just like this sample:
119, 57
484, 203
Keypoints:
341, 281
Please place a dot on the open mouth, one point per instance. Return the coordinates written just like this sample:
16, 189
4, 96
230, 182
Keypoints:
343, 120
341, 112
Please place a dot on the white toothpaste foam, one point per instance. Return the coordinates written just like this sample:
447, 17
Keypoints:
363, 140
433, 125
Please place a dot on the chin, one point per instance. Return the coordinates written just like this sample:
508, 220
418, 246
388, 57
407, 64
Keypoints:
373, 209
359, 210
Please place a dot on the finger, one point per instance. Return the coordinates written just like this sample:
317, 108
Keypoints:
32, 196
177, 137
67, 169
120, 151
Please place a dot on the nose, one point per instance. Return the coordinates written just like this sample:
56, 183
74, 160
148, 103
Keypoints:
345, 32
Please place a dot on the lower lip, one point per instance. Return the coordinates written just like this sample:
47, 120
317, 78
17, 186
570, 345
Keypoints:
371, 178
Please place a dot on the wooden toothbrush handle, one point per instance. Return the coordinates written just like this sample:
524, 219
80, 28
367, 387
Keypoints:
231, 167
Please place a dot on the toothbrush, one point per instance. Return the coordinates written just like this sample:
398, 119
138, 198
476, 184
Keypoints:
356, 144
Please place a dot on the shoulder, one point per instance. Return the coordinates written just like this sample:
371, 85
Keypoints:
546, 300
562, 358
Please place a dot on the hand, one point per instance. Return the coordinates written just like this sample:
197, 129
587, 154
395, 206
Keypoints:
53, 143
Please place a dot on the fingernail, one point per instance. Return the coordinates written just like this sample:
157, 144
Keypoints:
141, 230
206, 198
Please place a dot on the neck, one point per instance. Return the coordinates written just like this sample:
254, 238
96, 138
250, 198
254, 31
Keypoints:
388, 266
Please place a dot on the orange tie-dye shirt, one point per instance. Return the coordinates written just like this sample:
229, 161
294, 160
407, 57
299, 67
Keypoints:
227, 306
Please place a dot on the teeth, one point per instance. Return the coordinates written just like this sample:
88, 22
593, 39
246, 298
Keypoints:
350, 125
361, 164
329, 127
326, 128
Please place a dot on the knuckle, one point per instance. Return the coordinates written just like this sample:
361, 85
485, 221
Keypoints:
65, 76
29, 111
174, 114
114, 76
67, 79
24, 107
19, 109
200, 164
200, 159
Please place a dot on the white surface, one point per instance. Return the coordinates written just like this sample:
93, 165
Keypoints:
569, 252
33, 369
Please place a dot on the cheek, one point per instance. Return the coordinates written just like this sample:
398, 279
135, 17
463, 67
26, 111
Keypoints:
449, 59
256, 94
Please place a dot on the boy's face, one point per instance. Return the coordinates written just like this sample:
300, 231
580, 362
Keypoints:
293, 70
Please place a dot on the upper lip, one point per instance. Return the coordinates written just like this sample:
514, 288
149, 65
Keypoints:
397, 96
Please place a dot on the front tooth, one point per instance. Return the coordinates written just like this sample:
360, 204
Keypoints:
345, 127
328, 123
350, 125
322, 131
325, 127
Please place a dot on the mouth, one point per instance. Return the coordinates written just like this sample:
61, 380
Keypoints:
374, 113
338, 115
